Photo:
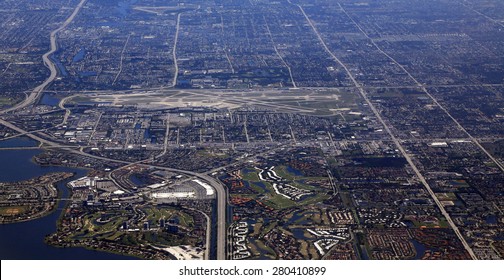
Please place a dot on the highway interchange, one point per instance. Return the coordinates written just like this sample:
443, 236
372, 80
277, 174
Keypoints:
35, 95
215, 183
230, 99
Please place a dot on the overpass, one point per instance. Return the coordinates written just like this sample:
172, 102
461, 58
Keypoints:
216, 184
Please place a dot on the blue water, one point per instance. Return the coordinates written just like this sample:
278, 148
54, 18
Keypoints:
18, 142
48, 99
147, 134
491, 219
26, 240
294, 171
61, 68
364, 252
299, 218
261, 185
419, 248
79, 56
299, 234
137, 181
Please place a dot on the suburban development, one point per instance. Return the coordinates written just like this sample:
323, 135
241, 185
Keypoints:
261, 129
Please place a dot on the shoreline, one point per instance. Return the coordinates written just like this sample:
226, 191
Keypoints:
43, 213
90, 248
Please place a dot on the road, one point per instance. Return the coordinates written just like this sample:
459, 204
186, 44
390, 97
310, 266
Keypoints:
174, 52
216, 184
394, 139
226, 48
61, 105
166, 142
468, 5
424, 89
278, 53
121, 60
36, 92
208, 232
220, 189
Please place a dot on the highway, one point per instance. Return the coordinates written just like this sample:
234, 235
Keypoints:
394, 139
424, 89
174, 52
61, 105
167, 133
216, 184
36, 92
278, 53
121, 60
221, 194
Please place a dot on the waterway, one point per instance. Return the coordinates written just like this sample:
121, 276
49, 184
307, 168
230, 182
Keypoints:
300, 218
419, 248
17, 143
49, 99
294, 171
79, 55
22, 241
61, 68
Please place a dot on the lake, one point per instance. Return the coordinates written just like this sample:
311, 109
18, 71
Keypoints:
25, 241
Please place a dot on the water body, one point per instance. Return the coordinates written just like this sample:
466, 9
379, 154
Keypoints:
294, 171
299, 234
79, 56
25, 240
147, 134
18, 142
491, 219
137, 180
49, 99
61, 68
262, 185
364, 253
299, 218
419, 248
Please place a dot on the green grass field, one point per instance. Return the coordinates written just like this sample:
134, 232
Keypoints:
277, 201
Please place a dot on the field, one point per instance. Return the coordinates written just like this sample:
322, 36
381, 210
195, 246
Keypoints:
12, 210
268, 196
108, 226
